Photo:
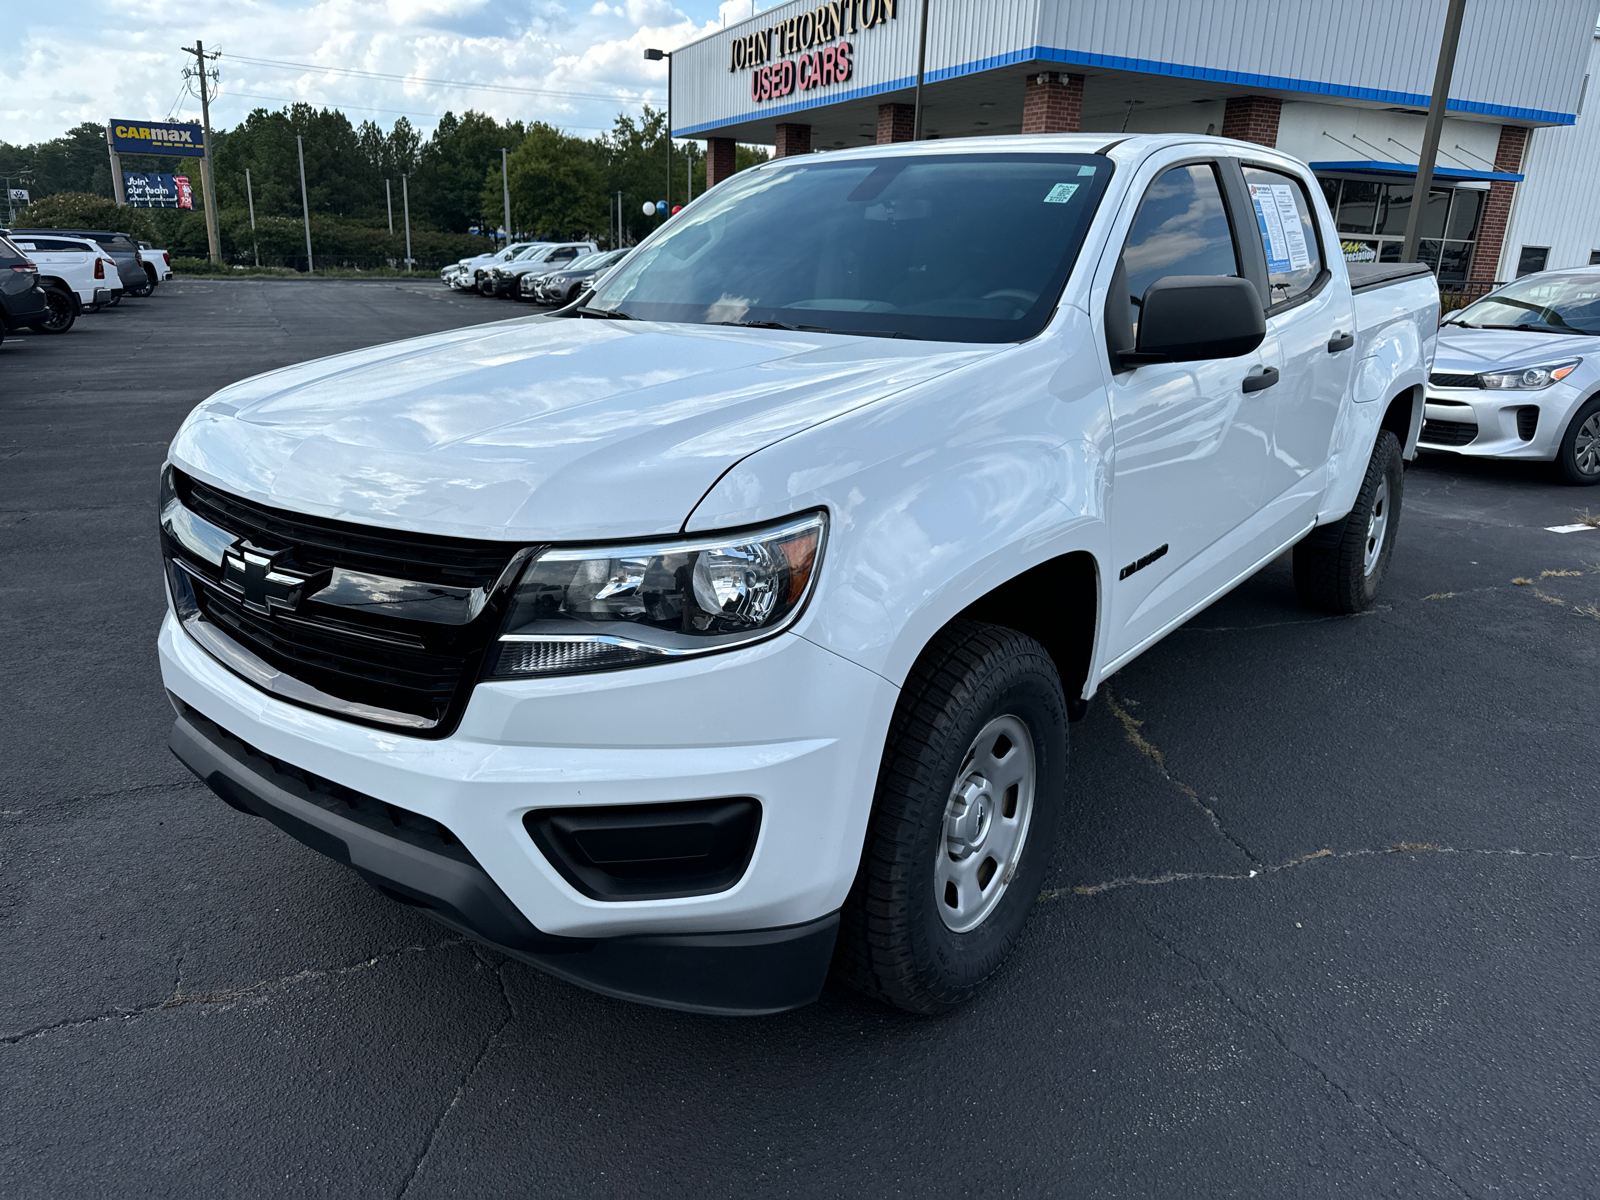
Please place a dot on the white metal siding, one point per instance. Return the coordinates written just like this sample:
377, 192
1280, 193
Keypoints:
1559, 204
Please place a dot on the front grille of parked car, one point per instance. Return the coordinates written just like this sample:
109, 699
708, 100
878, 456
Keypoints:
368, 666
1448, 433
1527, 421
1450, 379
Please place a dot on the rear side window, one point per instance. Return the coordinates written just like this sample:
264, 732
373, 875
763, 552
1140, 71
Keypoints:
53, 244
1181, 229
1287, 230
9, 250
114, 244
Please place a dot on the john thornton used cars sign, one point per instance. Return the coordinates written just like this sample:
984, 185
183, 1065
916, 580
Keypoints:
157, 137
809, 35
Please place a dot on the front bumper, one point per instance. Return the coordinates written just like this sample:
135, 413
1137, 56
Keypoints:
1491, 424
786, 722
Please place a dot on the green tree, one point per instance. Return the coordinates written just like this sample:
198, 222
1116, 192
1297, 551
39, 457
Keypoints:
447, 189
557, 185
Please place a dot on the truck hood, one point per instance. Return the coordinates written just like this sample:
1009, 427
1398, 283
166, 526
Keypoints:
1473, 350
536, 429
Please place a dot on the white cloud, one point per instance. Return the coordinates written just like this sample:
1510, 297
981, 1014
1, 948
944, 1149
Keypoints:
92, 60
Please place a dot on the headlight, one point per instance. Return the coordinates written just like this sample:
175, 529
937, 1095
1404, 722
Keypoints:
1530, 379
598, 608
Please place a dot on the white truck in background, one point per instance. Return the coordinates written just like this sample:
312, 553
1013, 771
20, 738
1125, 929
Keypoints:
725, 628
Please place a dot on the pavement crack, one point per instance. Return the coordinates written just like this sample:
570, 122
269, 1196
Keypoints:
466, 1078
223, 996
1261, 872
1198, 966
1133, 727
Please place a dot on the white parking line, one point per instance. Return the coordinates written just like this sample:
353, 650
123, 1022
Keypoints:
1578, 528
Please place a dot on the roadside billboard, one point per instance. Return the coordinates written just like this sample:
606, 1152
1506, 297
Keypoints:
156, 137
150, 189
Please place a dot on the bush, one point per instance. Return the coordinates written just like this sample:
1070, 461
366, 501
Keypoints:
84, 210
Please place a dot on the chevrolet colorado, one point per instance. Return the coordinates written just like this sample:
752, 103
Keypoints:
724, 627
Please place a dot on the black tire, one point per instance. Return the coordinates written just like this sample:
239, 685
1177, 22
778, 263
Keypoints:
1580, 465
1338, 568
63, 312
155, 280
894, 944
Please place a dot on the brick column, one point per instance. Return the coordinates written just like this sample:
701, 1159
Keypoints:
896, 123
1252, 119
719, 160
1052, 103
793, 139
1497, 206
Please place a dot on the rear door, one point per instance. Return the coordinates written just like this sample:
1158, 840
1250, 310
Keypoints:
1191, 444
1311, 322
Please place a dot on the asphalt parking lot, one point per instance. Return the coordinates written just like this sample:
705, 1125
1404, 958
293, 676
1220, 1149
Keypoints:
1322, 918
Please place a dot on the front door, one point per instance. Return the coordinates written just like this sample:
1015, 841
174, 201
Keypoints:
1191, 443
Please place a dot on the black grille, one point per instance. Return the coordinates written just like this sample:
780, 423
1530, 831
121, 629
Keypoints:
1448, 433
1446, 379
1527, 421
403, 824
422, 669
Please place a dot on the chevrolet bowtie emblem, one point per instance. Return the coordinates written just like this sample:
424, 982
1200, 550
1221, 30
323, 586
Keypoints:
263, 579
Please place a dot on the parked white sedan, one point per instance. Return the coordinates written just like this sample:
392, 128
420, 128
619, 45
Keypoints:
1517, 375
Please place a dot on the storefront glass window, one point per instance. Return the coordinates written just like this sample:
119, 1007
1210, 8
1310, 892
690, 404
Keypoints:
1358, 206
1449, 223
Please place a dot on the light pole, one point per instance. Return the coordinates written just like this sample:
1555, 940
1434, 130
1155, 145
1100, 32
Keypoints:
1430, 136
388, 203
657, 56
505, 186
305, 205
250, 198
405, 201
922, 62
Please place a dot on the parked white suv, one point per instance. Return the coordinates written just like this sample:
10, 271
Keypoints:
730, 625
76, 274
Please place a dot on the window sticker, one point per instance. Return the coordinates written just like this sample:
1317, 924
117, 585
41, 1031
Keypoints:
1281, 231
1061, 193
1082, 171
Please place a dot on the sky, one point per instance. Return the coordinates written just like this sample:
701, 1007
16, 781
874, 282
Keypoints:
89, 60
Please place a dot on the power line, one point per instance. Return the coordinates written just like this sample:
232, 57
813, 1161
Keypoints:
450, 83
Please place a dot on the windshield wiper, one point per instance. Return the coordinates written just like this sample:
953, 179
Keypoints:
607, 314
762, 325
1530, 327
1463, 324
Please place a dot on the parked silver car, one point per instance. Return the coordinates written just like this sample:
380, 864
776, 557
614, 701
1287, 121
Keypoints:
1517, 375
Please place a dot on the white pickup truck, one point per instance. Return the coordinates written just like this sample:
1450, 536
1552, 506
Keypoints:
76, 274
725, 626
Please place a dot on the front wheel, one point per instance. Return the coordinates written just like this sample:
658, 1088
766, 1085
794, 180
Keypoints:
1578, 458
62, 312
968, 800
1339, 567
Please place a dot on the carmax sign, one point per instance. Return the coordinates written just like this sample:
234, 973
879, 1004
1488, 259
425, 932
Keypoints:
157, 137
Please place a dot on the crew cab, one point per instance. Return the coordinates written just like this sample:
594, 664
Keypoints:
505, 278
463, 274
119, 247
725, 626
76, 274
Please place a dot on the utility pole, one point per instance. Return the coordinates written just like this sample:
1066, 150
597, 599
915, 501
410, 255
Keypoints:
405, 200
305, 205
1435, 127
199, 52
250, 198
657, 56
505, 186
388, 203
117, 193
922, 63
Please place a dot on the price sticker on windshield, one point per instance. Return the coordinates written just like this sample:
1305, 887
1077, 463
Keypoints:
1061, 193
1281, 232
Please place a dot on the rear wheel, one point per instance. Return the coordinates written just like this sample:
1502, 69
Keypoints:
1578, 459
154, 279
1339, 567
969, 796
62, 312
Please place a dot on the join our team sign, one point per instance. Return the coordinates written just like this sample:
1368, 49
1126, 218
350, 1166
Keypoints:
157, 137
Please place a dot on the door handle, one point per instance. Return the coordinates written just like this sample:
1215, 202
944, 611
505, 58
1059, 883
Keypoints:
1341, 341
1268, 377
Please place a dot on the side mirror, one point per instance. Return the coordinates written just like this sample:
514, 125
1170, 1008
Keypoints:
1184, 318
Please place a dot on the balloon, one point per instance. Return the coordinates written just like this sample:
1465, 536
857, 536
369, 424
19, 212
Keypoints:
661, 207
649, 208
676, 209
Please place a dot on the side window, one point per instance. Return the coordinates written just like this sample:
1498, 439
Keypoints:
1288, 232
1181, 228
565, 254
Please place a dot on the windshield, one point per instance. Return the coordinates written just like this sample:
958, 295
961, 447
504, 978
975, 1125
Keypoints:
1543, 303
946, 247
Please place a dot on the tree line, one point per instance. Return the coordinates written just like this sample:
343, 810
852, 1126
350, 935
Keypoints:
562, 186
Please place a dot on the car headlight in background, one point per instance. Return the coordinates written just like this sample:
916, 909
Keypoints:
598, 608
1529, 379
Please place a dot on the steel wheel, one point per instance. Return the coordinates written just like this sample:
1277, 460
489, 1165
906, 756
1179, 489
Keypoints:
1586, 446
985, 824
1377, 527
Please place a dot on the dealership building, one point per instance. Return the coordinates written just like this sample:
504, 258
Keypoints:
1341, 84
